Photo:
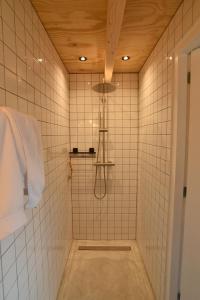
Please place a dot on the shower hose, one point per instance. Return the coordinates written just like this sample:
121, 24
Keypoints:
100, 196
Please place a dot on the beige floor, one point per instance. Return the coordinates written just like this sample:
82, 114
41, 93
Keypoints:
105, 275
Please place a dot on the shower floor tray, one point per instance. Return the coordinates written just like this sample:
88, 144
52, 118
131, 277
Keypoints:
105, 275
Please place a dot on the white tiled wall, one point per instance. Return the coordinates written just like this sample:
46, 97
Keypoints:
114, 217
32, 259
155, 108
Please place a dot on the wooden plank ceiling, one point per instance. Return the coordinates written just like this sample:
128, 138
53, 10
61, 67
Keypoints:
78, 27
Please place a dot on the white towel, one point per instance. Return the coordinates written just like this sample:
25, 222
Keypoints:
21, 166
12, 215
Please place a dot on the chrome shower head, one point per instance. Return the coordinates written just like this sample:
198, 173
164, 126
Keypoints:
104, 88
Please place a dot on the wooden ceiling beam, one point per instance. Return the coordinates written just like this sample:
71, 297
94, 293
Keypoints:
115, 15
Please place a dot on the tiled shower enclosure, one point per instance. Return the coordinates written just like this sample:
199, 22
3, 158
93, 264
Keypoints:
113, 217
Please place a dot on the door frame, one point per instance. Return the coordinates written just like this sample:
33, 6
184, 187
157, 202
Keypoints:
180, 54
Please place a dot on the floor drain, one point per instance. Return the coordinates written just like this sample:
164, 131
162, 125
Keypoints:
105, 248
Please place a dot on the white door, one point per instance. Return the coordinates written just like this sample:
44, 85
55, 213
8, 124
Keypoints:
190, 271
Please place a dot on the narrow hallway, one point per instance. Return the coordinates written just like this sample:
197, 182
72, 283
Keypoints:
98, 275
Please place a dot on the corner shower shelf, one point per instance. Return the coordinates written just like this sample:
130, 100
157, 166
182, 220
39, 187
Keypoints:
82, 154
103, 130
108, 164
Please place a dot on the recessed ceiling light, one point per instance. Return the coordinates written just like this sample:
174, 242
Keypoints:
82, 58
126, 57
40, 60
169, 57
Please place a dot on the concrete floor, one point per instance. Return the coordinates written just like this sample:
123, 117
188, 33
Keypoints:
105, 275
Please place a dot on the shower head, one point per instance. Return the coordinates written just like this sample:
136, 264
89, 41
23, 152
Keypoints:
104, 88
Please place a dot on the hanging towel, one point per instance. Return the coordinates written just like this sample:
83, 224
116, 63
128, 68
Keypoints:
21, 167
12, 215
